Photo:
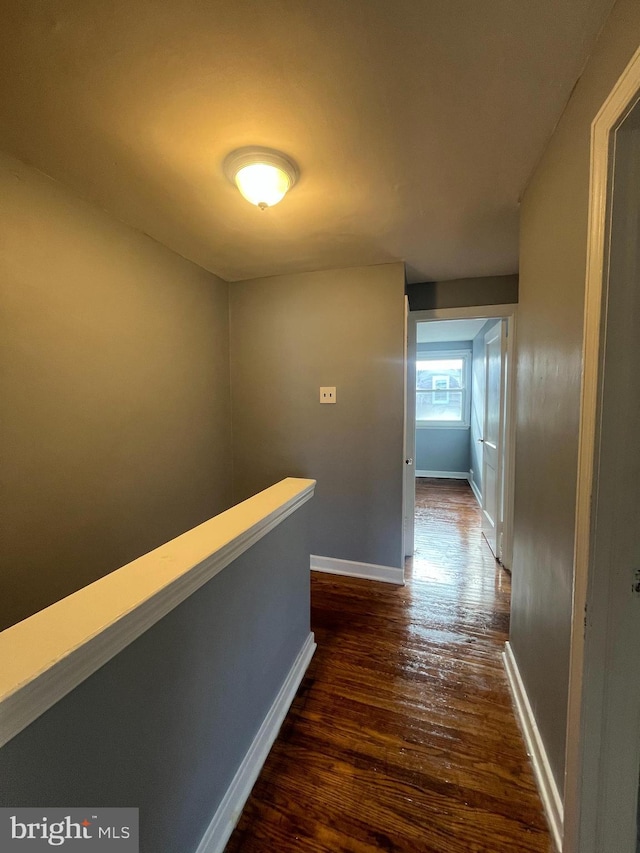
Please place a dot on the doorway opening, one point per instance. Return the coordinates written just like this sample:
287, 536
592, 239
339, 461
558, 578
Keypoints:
459, 413
601, 797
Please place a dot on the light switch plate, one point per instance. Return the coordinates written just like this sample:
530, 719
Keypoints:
327, 394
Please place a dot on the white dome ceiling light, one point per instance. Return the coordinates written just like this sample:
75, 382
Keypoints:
262, 175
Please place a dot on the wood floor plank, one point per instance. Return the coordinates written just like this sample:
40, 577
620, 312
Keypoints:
402, 737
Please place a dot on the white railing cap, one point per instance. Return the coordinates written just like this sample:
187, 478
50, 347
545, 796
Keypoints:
45, 656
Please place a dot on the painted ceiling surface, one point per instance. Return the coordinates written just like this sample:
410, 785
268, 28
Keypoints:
415, 123
441, 331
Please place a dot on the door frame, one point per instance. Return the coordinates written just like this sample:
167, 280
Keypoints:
486, 312
584, 794
409, 438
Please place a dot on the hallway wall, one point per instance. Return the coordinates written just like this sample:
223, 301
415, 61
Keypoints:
290, 335
463, 292
114, 381
550, 316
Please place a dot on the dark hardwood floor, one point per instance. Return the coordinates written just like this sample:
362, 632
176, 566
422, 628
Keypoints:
402, 736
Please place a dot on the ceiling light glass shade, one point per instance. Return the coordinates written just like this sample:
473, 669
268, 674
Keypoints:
262, 184
262, 175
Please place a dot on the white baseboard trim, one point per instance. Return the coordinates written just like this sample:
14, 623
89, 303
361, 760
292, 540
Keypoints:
228, 812
476, 491
448, 475
549, 794
369, 571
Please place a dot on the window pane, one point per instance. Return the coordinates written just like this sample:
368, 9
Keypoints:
436, 373
439, 405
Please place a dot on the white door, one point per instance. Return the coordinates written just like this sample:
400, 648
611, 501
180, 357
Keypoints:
493, 436
408, 460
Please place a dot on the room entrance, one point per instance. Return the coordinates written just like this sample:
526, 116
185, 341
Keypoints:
459, 412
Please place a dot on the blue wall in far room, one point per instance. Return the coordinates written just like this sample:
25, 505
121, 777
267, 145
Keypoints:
442, 449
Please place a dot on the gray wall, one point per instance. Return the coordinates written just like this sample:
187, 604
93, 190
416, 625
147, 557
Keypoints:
551, 301
165, 724
439, 449
114, 379
478, 381
462, 292
290, 335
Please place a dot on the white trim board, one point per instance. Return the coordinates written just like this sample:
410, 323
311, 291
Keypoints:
447, 475
468, 312
351, 569
591, 761
228, 812
476, 491
549, 794
47, 655
408, 438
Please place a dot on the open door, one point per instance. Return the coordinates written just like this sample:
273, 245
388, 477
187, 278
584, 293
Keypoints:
495, 348
409, 455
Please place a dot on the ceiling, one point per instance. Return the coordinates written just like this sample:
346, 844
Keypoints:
415, 123
437, 331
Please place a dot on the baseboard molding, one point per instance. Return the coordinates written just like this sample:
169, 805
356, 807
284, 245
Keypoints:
476, 491
447, 475
369, 571
549, 794
228, 812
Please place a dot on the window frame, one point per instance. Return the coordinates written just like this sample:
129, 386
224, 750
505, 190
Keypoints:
438, 355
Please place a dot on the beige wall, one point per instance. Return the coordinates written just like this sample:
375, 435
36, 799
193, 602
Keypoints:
290, 335
552, 280
114, 380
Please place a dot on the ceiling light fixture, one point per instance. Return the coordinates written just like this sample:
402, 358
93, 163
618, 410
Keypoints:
262, 175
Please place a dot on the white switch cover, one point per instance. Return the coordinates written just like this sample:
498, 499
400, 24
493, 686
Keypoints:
327, 395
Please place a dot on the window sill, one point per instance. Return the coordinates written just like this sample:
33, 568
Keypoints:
445, 425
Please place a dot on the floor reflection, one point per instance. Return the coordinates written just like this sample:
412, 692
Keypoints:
455, 586
402, 737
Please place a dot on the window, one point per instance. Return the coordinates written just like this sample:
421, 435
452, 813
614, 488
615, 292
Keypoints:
440, 386
442, 389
